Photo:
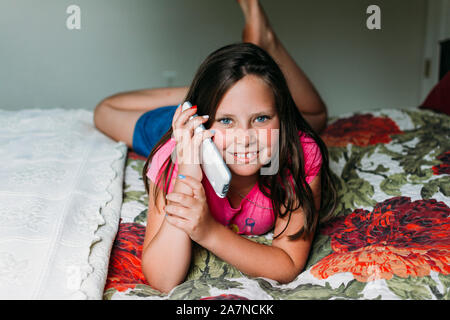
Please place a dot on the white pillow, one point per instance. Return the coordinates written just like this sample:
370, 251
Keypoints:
60, 199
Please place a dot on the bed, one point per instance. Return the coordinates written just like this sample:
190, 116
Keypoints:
73, 213
390, 238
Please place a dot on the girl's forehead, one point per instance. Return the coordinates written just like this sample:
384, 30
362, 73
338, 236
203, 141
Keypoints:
249, 95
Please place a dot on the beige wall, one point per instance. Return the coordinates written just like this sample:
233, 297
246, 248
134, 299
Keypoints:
131, 44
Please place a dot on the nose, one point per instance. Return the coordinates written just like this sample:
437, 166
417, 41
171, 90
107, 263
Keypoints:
245, 137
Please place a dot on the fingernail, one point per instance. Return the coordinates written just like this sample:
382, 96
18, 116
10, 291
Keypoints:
194, 107
212, 131
181, 176
205, 116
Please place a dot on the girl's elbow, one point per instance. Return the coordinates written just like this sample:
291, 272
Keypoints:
290, 275
159, 283
157, 279
162, 286
287, 278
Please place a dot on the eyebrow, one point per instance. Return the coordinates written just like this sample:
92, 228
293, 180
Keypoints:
261, 113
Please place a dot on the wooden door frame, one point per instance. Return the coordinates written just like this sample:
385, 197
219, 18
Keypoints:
437, 29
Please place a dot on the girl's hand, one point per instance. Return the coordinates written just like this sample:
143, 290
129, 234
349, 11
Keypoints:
190, 213
189, 144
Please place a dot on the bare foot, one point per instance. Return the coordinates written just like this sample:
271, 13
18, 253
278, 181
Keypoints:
257, 29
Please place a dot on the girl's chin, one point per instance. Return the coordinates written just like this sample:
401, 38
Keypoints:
244, 170
246, 166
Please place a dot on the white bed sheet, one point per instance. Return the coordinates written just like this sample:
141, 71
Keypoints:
61, 183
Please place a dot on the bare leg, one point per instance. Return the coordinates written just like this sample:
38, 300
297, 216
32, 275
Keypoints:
116, 116
116, 124
257, 30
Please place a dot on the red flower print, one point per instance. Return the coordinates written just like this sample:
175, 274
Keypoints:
133, 155
125, 263
361, 130
398, 237
444, 167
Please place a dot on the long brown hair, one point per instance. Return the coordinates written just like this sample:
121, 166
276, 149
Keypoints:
215, 76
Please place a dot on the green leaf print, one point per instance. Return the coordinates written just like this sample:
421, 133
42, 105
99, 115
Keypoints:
342, 204
353, 290
336, 153
141, 218
206, 270
414, 288
392, 184
444, 185
445, 280
320, 249
205, 264
380, 169
190, 290
138, 166
142, 290
414, 179
359, 191
429, 189
434, 138
109, 293
139, 196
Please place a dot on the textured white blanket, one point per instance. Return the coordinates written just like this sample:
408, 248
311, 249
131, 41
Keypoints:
60, 198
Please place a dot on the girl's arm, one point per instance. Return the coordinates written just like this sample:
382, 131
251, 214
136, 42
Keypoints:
166, 253
167, 250
282, 261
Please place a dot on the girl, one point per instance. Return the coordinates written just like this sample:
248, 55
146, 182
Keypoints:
247, 98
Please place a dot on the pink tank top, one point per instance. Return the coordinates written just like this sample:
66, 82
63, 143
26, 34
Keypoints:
255, 214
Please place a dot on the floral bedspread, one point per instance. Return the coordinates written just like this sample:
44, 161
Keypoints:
390, 238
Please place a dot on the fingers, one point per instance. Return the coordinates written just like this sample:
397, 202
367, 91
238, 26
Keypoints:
188, 147
182, 126
176, 211
195, 122
196, 186
198, 137
176, 114
181, 198
183, 116
178, 215
176, 221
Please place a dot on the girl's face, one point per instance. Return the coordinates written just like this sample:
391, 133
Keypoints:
247, 126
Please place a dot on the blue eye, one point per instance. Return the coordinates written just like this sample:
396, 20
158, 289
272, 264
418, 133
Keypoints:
220, 120
266, 117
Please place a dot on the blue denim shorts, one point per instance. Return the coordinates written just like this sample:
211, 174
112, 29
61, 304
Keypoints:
150, 128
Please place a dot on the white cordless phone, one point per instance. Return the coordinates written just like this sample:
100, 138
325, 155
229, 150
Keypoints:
217, 172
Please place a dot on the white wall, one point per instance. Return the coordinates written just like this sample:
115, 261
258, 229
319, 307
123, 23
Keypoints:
129, 44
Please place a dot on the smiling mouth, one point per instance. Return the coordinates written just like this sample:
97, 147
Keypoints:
247, 155
244, 157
